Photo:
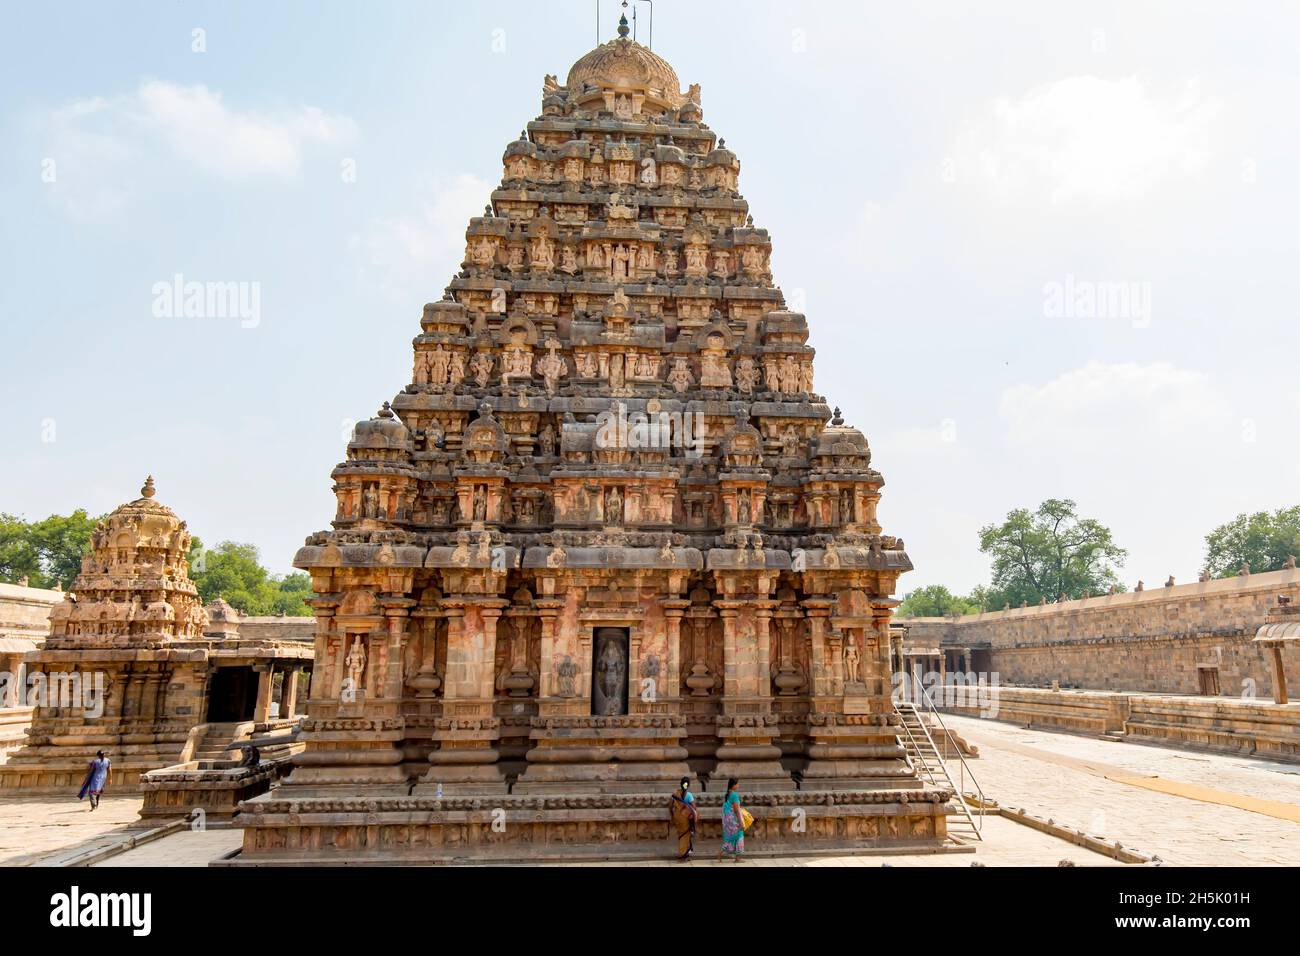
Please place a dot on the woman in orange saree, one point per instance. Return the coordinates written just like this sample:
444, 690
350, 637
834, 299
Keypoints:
685, 816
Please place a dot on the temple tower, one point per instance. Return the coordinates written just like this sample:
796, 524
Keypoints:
609, 533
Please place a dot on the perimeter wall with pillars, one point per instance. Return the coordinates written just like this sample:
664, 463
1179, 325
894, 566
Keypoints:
1155, 641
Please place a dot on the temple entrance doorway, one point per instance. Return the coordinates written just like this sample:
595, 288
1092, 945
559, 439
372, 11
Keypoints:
1208, 678
232, 695
609, 670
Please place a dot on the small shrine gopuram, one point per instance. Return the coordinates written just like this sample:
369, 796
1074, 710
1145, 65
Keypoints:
134, 666
607, 537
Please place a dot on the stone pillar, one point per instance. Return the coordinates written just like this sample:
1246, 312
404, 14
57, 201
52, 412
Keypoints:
397, 612
548, 610
324, 673
747, 727
457, 677
1279, 676
289, 694
823, 677
488, 660
734, 681
265, 674
763, 639
673, 611
467, 735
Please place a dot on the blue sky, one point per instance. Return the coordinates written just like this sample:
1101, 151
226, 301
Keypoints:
934, 178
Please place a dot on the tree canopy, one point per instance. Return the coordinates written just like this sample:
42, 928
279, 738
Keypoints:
937, 601
1262, 540
234, 571
1049, 553
47, 553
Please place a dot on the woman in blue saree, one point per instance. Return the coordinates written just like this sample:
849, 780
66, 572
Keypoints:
733, 827
97, 777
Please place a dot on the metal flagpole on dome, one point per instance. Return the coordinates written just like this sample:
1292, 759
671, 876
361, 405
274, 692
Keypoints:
651, 44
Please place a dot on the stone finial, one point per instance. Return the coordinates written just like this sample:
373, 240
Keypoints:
1042, 601
623, 28
148, 490
1170, 582
1290, 562
838, 420
487, 211
1113, 590
1245, 569
1140, 586
22, 581
1205, 575
1024, 604
386, 411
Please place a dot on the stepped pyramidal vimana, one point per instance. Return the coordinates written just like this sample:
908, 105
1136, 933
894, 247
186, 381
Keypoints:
607, 535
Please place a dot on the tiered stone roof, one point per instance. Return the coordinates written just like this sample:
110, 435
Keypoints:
616, 271
134, 589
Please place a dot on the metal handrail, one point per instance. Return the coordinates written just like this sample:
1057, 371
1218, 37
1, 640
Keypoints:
965, 769
943, 766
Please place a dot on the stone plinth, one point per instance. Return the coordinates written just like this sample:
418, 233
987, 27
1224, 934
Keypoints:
635, 754
325, 830
214, 787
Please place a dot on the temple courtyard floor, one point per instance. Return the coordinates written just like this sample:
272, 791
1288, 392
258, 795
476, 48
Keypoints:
1184, 807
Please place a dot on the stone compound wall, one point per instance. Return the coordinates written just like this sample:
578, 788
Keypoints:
278, 629
1151, 641
1227, 724
24, 623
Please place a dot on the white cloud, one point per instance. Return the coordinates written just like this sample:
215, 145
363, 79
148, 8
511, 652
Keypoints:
1113, 409
1085, 139
106, 148
197, 124
432, 242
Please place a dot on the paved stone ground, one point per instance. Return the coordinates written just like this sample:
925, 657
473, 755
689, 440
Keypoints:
42, 830
187, 848
1006, 843
1083, 782
1185, 806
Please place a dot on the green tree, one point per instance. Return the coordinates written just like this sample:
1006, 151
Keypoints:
48, 552
61, 542
18, 555
1049, 553
935, 601
1262, 540
234, 571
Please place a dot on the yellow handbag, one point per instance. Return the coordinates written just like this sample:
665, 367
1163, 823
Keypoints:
746, 819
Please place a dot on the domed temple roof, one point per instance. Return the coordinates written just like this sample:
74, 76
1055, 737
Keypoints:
626, 64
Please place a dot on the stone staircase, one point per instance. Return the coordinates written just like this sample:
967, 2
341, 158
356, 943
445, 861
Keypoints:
216, 738
931, 767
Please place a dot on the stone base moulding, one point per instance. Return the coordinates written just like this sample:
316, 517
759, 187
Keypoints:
395, 830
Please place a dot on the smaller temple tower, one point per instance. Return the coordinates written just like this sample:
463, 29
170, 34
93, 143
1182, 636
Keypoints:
133, 664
